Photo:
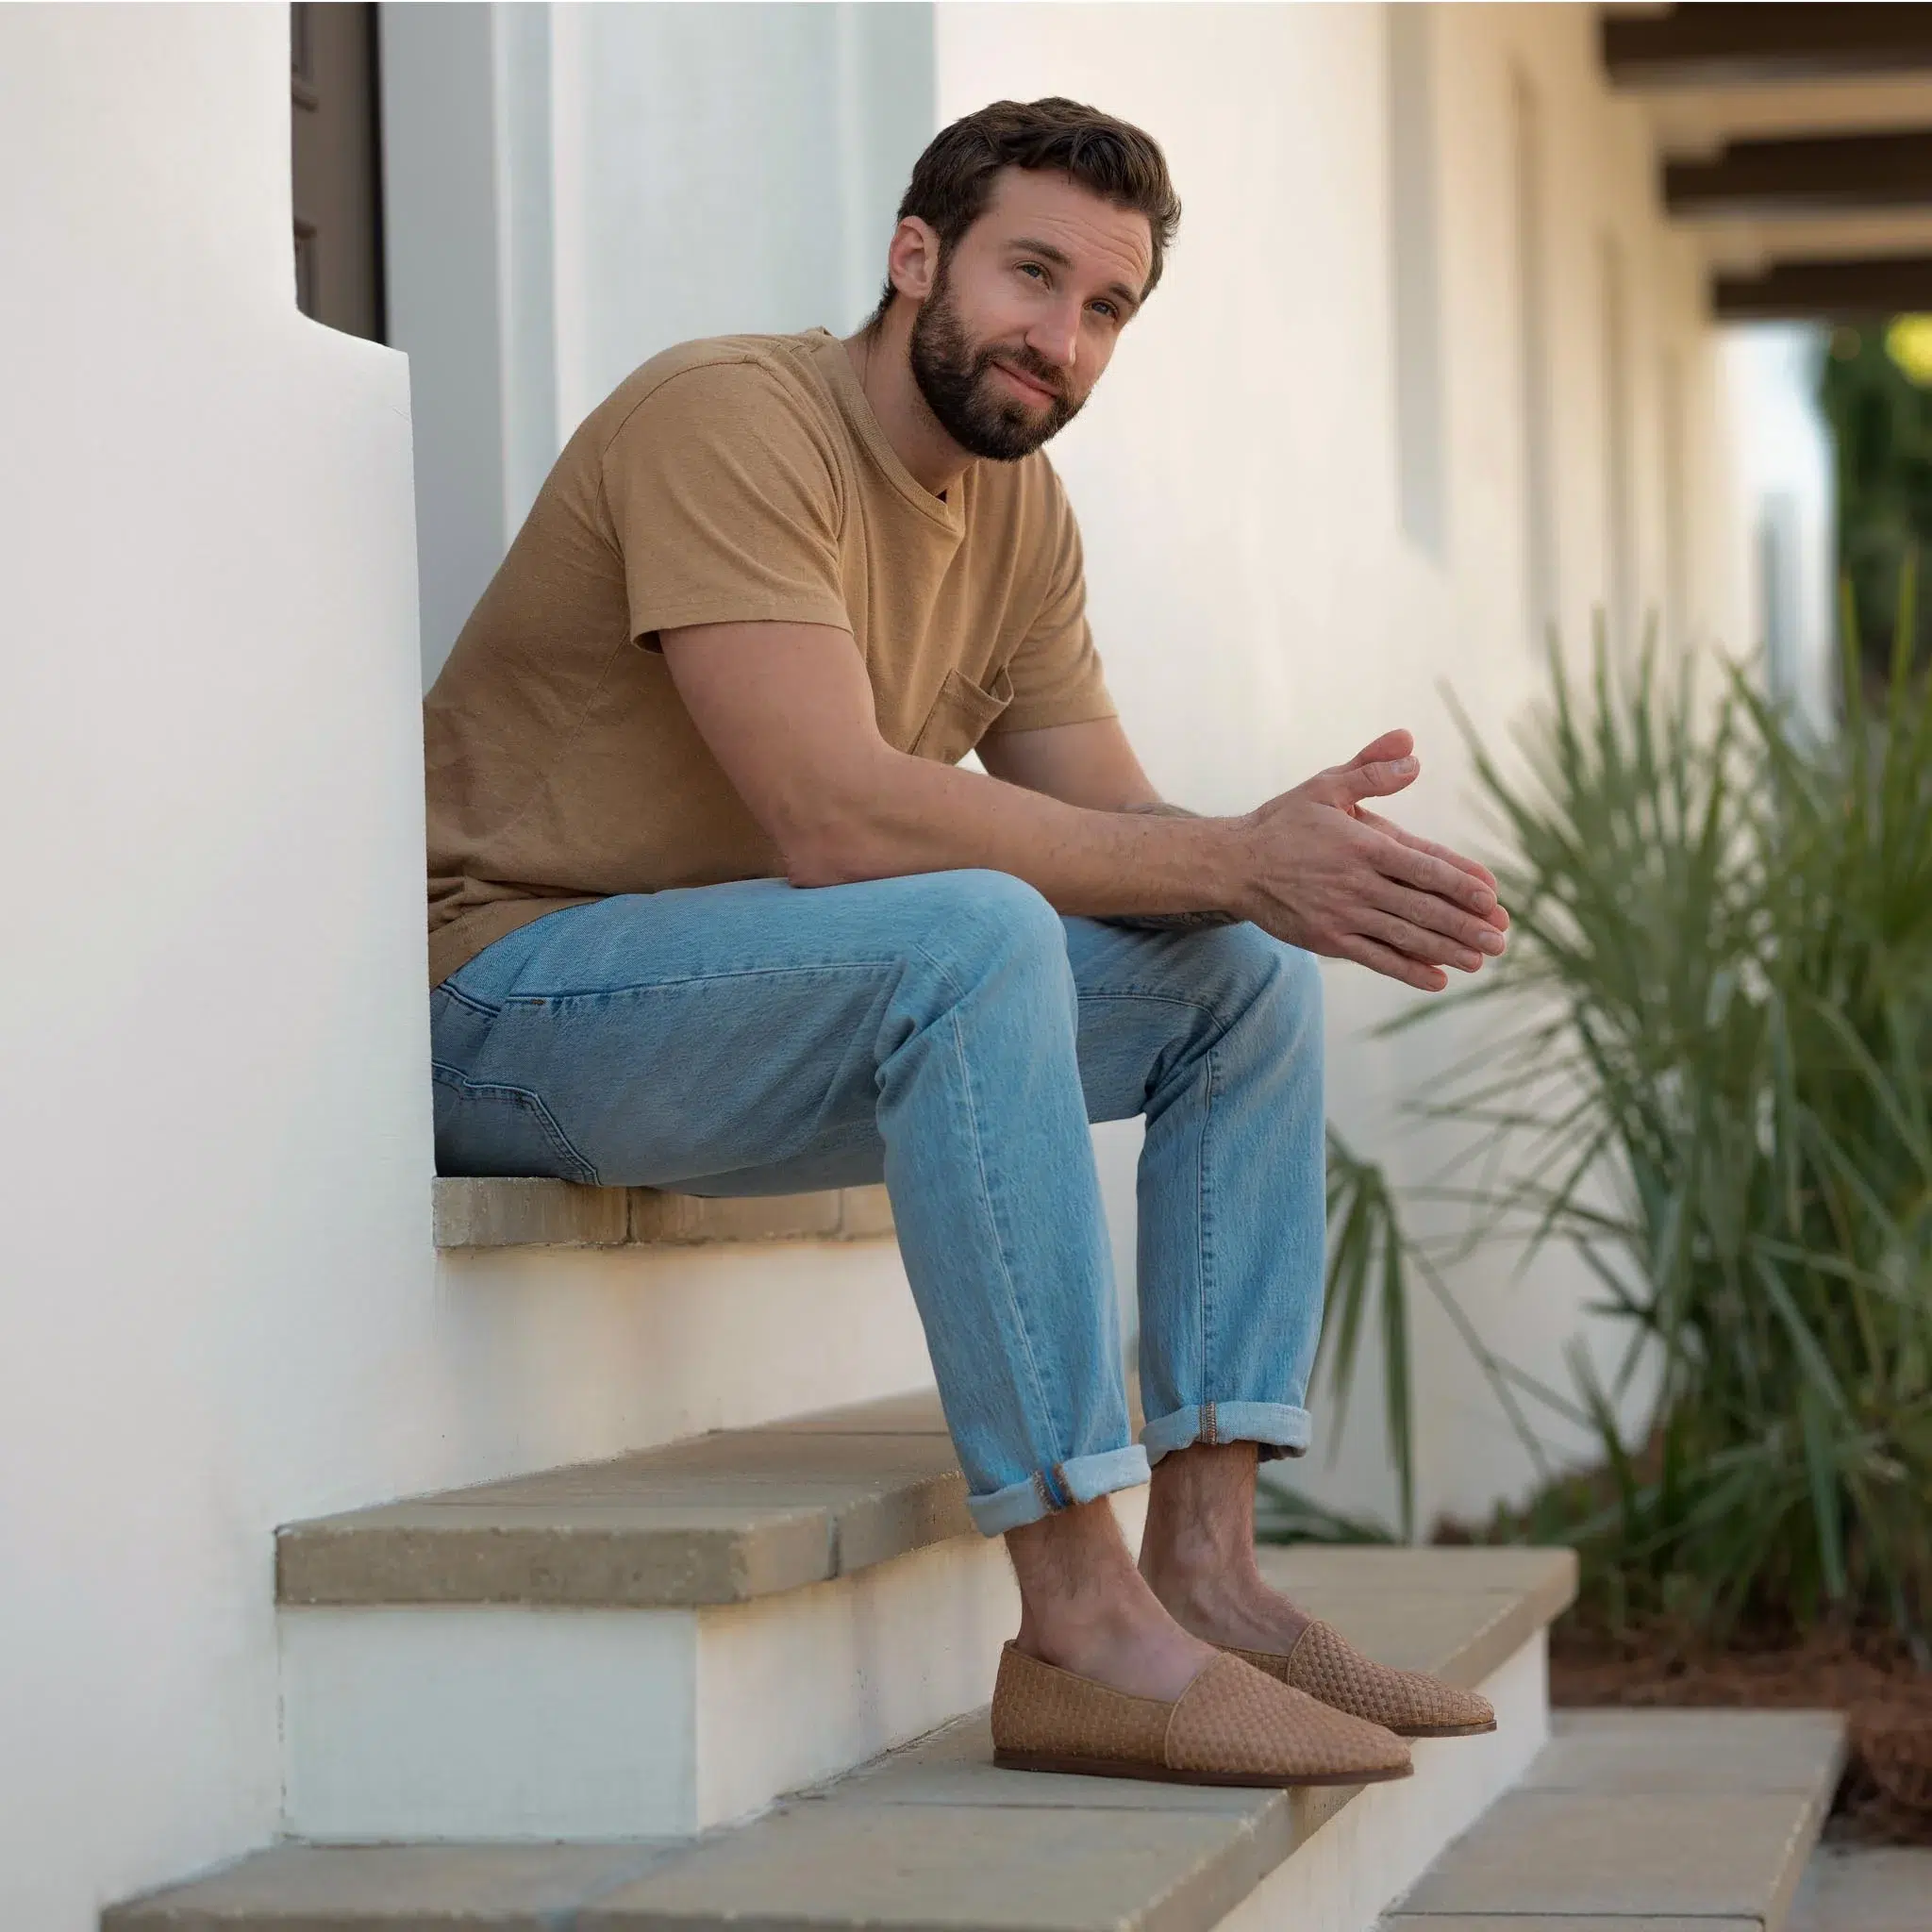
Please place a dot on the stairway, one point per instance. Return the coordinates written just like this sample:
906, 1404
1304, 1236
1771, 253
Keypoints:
741, 1678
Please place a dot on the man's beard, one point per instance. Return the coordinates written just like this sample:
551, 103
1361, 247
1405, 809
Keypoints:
956, 380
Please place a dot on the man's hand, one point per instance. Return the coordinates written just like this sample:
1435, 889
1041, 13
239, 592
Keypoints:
1331, 877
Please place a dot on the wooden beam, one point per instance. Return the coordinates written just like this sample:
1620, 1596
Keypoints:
1762, 179
1826, 291
1707, 45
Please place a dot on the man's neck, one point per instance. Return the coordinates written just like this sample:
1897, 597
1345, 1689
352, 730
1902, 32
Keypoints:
881, 360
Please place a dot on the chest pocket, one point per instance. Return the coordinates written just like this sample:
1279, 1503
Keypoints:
960, 715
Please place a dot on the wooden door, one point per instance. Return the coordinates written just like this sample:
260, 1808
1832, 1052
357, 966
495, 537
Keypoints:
337, 165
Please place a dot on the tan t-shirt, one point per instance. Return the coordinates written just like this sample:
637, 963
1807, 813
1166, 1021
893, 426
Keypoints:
733, 480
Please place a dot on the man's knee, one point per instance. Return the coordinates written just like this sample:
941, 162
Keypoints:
1244, 973
980, 913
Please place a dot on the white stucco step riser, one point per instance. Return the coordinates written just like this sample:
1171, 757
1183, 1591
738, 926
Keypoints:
504, 1723
654, 1344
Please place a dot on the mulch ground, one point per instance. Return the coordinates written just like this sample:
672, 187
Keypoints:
1886, 1796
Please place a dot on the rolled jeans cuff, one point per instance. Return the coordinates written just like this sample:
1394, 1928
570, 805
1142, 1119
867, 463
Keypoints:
1275, 1428
1083, 1480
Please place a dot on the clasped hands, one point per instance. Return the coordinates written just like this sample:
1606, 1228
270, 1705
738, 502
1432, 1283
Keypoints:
1329, 875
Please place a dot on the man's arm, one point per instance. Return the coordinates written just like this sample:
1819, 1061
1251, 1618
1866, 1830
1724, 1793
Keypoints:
787, 712
1092, 764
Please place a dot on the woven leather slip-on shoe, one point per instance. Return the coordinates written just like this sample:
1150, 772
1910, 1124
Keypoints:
1330, 1668
1232, 1726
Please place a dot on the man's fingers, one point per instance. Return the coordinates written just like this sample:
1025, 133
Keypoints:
1437, 915
1419, 942
1475, 868
1397, 860
1383, 750
1365, 951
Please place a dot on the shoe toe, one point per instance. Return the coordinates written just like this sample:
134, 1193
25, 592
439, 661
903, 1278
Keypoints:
1325, 1665
1236, 1719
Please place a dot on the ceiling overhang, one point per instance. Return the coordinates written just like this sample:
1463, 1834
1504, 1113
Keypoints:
1794, 145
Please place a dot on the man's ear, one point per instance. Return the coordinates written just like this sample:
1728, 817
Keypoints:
912, 259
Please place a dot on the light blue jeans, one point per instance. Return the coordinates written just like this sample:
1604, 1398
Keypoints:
950, 1033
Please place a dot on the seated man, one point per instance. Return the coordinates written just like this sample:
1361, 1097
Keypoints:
712, 909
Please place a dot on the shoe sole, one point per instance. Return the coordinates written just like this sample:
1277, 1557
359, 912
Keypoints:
1160, 1774
1445, 1730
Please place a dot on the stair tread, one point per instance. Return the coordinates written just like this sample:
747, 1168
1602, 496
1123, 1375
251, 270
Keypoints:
727, 1517
723, 1518
1644, 1817
933, 1835
324, 1888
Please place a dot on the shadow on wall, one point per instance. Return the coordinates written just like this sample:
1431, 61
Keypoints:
568, 192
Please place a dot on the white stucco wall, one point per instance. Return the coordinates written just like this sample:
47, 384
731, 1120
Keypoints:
223, 1309
1260, 609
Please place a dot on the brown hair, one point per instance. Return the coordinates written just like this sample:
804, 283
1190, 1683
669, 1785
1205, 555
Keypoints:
953, 180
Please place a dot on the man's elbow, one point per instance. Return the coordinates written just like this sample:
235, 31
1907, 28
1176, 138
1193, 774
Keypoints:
831, 847
820, 866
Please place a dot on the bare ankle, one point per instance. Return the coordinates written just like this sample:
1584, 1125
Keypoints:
1201, 1514
1086, 1607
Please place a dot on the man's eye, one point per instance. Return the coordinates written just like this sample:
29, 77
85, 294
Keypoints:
1032, 268
1108, 309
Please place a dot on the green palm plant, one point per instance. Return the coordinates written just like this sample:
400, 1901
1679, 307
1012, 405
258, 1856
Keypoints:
1715, 1047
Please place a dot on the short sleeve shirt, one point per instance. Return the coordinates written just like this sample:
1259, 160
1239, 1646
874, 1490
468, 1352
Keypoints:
740, 479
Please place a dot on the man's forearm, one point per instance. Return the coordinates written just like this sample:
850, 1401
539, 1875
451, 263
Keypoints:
1168, 922
1142, 862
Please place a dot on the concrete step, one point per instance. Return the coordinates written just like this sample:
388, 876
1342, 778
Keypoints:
1644, 1820
1865, 1888
934, 1839
648, 1646
534, 1212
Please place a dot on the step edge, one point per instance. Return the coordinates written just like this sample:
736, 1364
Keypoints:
1810, 1829
480, 1213
852, 1534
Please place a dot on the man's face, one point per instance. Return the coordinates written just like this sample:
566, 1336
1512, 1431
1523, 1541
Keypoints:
1024, 313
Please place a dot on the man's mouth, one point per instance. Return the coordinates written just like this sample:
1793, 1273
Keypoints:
1030, 385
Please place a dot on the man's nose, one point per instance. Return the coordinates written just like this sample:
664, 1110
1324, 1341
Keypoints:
1054, 337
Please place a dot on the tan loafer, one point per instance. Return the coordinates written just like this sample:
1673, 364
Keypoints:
1331, 1669
1232, 1726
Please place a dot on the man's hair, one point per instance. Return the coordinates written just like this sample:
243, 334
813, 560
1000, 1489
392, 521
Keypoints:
953, 180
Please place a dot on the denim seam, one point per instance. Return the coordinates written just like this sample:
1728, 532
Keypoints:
1041, 1409
1205, 1183
1148, 997
826, 970
468, 999
560, 1142
1204, 1193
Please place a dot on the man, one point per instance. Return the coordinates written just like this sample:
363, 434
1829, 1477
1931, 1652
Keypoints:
711, 908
